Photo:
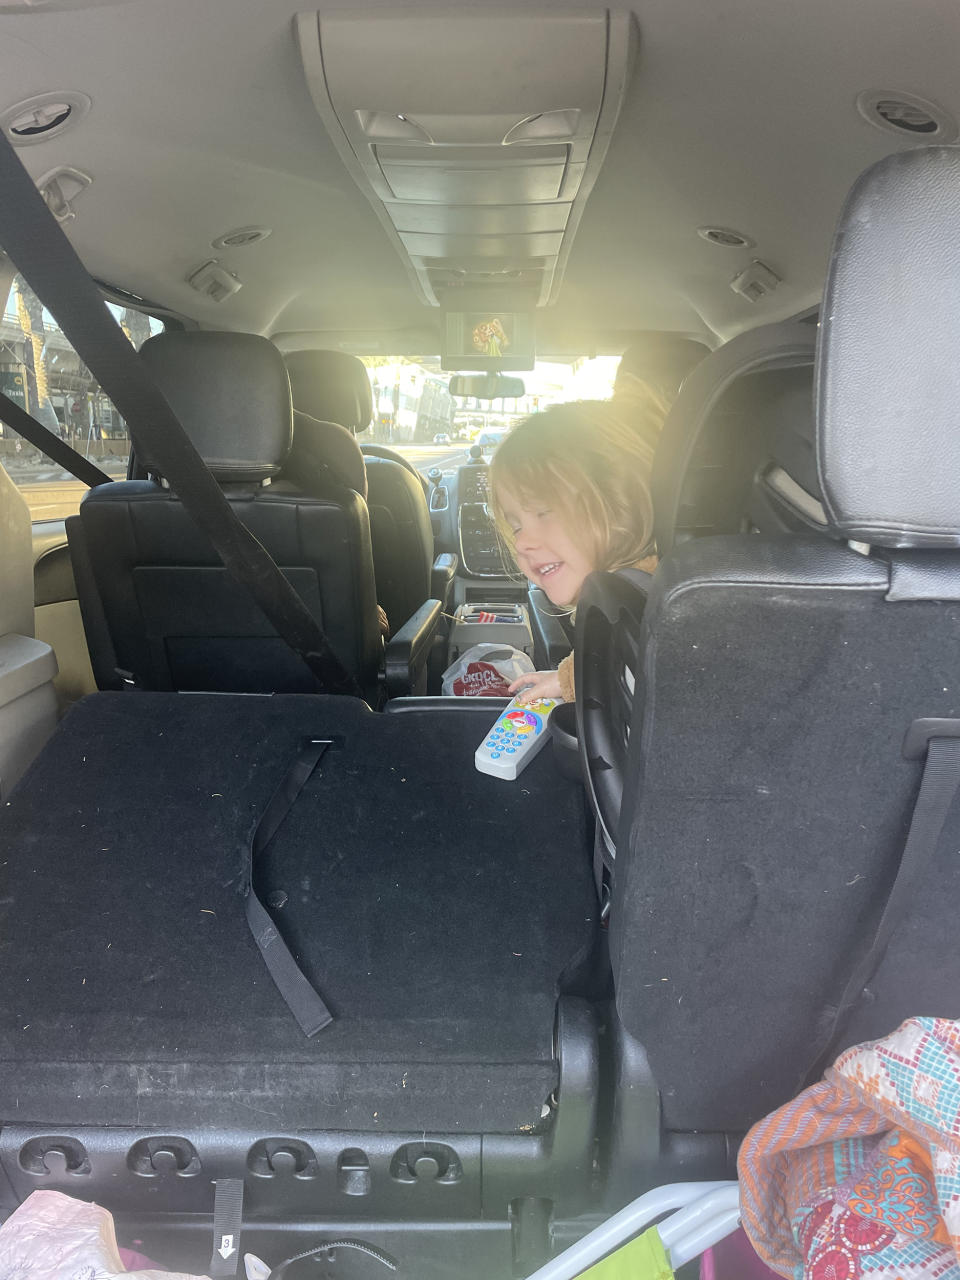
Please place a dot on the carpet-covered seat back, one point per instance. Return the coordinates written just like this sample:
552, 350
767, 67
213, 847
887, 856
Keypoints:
767, 796
333, 386
156, 600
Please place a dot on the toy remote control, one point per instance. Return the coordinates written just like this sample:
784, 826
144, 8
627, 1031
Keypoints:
519, 733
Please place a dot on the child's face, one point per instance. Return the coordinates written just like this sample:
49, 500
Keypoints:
549, 552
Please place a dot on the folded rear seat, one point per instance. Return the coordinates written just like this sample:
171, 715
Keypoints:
439, 912
434, 908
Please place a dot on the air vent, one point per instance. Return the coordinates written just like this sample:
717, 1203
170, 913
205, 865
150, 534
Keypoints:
42, 117
906, 114
241, 237
725, 237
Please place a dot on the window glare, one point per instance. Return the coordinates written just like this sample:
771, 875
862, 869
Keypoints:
41, 372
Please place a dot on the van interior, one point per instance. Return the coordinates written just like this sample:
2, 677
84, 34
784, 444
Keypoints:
279, 964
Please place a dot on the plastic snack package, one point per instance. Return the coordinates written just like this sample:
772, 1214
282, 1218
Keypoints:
54, 1237
486, 671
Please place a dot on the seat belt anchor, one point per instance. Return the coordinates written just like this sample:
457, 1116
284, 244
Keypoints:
918, 737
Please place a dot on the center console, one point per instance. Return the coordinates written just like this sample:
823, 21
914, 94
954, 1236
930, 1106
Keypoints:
481, 552
506, 624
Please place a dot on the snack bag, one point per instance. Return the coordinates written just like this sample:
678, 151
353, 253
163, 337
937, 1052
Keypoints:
486, 671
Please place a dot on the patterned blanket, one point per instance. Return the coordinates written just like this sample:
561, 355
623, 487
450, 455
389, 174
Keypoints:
860, 1175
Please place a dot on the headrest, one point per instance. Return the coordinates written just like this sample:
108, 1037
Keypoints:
662, 360
332, 387
888, 377
324, 453
231, 393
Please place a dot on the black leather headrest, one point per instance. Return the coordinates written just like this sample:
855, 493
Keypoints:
332, 387
231, 393
888, 378
324, 454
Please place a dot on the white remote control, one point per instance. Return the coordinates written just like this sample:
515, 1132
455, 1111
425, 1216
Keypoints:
519, 733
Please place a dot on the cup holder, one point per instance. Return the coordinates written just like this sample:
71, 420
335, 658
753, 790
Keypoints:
563, 730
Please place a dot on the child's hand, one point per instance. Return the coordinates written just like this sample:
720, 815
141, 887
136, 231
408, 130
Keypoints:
537, 684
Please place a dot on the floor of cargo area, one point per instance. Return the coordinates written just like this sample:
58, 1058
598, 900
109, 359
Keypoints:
438, 911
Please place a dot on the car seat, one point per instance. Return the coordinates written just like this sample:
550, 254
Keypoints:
754, 706
333, 387
159, 608
738, 439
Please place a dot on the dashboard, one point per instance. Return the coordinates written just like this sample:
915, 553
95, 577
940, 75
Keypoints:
463, 522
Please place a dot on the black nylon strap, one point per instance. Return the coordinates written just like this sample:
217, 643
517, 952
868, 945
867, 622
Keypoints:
57, 450
32, 239
938, 788
227, 1221
302, 998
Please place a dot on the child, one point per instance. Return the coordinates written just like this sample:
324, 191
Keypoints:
571, 494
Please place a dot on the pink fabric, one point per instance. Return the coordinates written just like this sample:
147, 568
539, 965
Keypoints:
859, 1176
734, 1259
133, 1261
52, 1236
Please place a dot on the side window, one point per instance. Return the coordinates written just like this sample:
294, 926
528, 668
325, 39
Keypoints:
44, 375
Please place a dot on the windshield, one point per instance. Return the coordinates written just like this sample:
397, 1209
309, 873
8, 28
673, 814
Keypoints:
415, 414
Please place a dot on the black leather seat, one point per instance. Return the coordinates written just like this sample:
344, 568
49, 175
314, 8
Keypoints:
739, 432
758, 701
157, 602
333, 387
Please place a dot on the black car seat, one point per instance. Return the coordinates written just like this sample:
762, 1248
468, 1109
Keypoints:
158, 604
742, 417
757, 703
333, 387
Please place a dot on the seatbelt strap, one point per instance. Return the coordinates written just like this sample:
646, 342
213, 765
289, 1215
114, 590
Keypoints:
227, 1221
56, 450
37, 246
938, 741
302, 998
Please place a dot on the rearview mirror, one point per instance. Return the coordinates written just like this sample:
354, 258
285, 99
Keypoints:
487, 386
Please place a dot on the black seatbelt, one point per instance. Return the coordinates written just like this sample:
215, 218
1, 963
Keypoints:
32, 239
303, 1000
938, 741
47, 442
227, 1222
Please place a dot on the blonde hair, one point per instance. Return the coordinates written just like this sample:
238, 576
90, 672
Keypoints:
592, 467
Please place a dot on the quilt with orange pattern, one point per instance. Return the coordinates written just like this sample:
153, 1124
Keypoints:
859, 1176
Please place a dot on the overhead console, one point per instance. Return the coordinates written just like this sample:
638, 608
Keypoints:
476, 138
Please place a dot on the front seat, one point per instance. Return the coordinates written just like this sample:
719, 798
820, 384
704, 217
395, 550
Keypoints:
333, 387
762, 698
160, 610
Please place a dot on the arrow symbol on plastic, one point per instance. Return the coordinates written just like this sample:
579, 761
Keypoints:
226, 1247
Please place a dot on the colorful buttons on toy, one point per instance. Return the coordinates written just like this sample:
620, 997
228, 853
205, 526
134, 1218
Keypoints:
522, 722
